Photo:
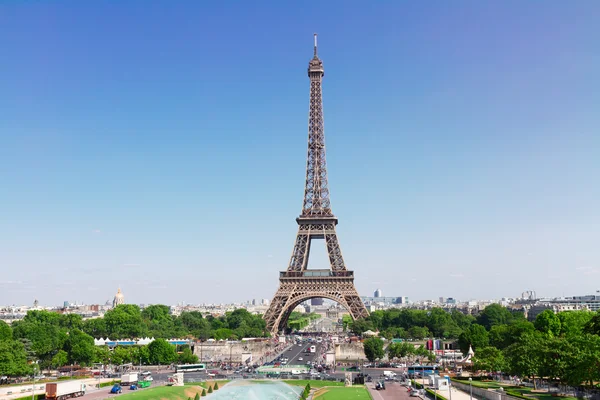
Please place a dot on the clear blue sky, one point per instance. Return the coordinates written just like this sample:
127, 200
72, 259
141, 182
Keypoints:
160, 146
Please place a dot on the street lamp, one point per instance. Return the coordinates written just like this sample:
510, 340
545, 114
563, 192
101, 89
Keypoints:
470, 388
33, 383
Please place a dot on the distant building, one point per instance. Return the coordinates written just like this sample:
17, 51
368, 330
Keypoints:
119, 298
378, 293
528, 295
316, 302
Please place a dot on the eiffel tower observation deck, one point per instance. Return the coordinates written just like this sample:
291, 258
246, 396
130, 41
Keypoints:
316, 221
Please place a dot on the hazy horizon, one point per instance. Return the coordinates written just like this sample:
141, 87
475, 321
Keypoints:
161, 148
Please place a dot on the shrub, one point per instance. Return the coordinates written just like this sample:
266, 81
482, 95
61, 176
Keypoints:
210, 389
197, 397
216, 387
203, 392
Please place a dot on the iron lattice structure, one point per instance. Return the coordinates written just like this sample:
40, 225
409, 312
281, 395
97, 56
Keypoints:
316, 221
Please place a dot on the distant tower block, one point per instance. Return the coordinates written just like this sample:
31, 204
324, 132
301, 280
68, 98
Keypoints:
316, 302
119, 298
378, 293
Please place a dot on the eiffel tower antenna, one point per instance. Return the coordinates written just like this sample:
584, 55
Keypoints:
316, 221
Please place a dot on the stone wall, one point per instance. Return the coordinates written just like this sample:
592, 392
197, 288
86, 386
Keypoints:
222, 351
349, 352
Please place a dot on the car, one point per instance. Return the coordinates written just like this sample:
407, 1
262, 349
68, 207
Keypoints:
299, 344
290, 349
116, 389
148, 379
300, 359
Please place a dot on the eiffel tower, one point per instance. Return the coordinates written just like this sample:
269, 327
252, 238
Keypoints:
316, 221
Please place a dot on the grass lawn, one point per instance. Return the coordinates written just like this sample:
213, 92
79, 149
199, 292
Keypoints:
525, 391
342, 393
481, 384
169, 392
314, 384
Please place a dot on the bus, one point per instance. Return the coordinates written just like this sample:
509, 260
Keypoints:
190, 368
422, 370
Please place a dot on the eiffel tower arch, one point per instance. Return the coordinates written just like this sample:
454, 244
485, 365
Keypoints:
298, 284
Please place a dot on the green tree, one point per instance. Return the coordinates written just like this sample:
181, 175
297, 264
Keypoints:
475, 336
161, 352
400, 350
13, 359
548, 323
120, 355
572, 323
60, 359
216, 386
373, 348
5, 331
223, 333
584, 362
502, 336
489, 359
95, 327
494, 314
441, 324
418, 332
463, 321
80, 347
361, 325
210, 389
525, 356
125, 321
203, 392
101, 354
197, 396
196, 324
557, 358
187, 357
46, 337
71, 321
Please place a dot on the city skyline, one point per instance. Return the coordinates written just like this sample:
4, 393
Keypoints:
147, 151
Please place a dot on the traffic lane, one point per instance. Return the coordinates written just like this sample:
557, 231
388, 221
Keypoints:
304, 355
393, 390
102, 393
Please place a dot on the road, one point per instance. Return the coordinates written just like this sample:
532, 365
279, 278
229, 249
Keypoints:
299, 351
393, 390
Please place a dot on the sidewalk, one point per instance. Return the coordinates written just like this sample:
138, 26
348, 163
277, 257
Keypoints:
17, 392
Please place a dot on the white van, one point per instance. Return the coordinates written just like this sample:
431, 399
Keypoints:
389, 374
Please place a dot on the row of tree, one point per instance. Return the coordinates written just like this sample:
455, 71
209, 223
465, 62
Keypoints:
374, 350
55, 339
408, 323
298, 321
564, 347
128, 321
